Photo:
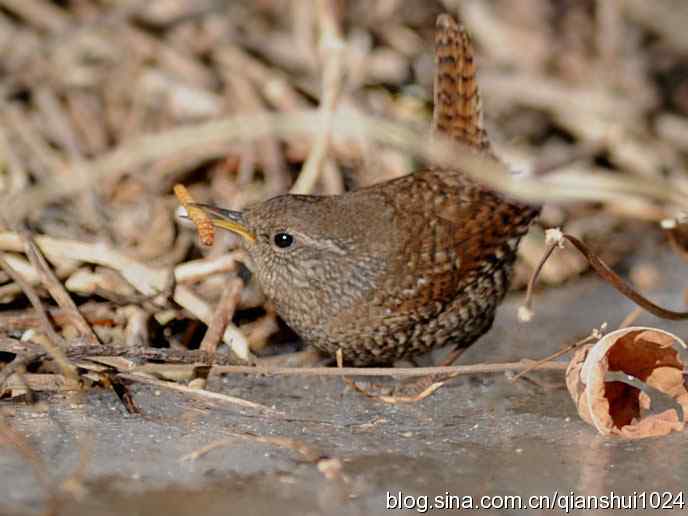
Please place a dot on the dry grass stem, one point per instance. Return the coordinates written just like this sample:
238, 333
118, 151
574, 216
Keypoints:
200, 393
223, 314
196, 270
556, 239
332, 56
42, 383
147, 280
631, 318
556, 187
57, 291
595, 335
388, 371
55, 344
525, 312
200, 309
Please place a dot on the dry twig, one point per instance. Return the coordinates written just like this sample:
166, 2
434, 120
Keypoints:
595, 335
57, 291
223, 314
557, 238
351, 124
55, 344
199, 393
331, 54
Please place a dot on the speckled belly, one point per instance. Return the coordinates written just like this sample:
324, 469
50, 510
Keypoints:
460, 323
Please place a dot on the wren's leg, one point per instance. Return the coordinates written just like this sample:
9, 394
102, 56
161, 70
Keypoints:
453, 356
309, 357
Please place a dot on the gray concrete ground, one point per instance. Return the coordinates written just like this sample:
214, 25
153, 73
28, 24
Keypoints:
480, 435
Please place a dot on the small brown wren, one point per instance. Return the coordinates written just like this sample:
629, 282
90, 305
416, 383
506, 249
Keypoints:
401, 267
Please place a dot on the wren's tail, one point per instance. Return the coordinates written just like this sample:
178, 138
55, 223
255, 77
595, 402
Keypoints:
458, 109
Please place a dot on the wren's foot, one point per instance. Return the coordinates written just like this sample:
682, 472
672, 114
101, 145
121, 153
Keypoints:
414, 387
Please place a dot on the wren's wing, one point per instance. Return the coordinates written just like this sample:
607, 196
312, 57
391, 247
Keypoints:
458, 109
451, 231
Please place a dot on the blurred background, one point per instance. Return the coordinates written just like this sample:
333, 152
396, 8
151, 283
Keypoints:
568, 85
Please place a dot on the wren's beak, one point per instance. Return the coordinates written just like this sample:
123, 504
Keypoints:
228, 219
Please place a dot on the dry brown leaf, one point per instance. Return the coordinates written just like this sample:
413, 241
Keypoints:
615, 407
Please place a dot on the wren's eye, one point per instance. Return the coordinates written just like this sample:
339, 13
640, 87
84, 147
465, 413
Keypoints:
283, 240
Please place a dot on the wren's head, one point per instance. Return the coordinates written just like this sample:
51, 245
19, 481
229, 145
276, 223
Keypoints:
313, 255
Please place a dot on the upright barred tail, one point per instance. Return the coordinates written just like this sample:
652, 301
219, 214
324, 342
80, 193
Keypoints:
458, 109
